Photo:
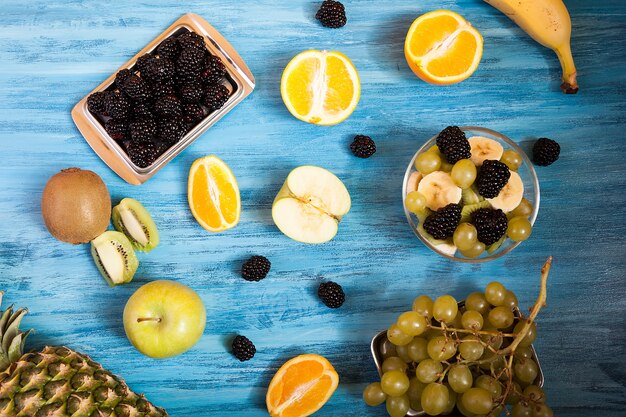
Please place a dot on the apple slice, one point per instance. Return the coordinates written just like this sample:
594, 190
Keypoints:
310, 205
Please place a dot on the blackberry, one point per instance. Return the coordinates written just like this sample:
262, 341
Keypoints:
192, 113
161, 147
191, 92
95, 102
117, 129
170, 130
168, 105
331, 294
243, 348
332, 14
490, 224
142, 62
142, 110
214, 71
142, 154
116, 105
121, 76
453, 144
546, 152
191, 40
169, 48
190, 63
160, 90
216, 96
442, 223
363, 146
159, 70
143, 129
492, 177
137, 89
255, 268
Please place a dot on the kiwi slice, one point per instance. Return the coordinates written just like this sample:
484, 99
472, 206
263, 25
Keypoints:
495, 246
115, 258
132, 219
468, 209
470, 196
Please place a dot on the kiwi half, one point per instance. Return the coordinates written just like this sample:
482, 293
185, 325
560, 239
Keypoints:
131, 218
115, 258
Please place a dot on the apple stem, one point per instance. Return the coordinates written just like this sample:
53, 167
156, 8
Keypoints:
157, 319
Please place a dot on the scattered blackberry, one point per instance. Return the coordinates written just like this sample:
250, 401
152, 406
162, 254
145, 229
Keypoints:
442, 223
453, 144
191, 92
331, 294
168, 105
192, 113
116, 105
363, 146
214, 71
191, 40
170, 130
142, 110
95, 102
169, 48
255, 268
190, 63
490, 224
159, 70
332, 14
243, 348
142, 154
121, 76
545, 152
160, 89
117, 129
137, 89
216, 96
143, 129
492, 177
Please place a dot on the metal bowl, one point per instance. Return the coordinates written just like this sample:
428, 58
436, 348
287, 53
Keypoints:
526, 172
239, 81
380, 346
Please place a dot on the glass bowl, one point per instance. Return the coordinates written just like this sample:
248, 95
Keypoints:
526, 173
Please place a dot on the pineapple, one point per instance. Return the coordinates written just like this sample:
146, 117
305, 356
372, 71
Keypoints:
58, 382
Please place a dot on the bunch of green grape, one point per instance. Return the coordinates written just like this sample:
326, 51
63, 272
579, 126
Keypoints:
447, 356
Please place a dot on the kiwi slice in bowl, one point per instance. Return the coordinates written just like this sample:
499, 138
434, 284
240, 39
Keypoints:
131, 218
115, 258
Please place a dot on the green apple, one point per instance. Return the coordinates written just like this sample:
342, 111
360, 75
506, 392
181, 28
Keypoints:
310, 205
164, 319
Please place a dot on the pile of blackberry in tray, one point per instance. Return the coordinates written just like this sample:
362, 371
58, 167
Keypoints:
151, 106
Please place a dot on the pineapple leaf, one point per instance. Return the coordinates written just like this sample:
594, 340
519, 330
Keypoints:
12, 340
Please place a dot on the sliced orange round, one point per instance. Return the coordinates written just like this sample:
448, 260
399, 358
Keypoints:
320, 87
301, 386
213, 194
443, 48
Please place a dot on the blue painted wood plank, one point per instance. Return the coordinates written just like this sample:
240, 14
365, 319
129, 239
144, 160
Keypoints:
54, 52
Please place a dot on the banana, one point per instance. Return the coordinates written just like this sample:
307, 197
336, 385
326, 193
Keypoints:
413, 181
484, 148
510, 196
548, 22
439, 190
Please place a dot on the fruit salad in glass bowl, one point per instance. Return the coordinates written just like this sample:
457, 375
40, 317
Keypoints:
471, 194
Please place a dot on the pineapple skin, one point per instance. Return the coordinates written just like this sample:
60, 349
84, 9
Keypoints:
59, 382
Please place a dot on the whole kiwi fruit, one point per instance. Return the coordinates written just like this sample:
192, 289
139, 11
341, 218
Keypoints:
76, 205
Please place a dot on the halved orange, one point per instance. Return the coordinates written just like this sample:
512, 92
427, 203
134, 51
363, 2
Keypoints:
213, 194
320, 87
301, 386
442, 47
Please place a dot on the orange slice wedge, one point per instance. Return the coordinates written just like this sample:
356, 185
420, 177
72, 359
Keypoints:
442, 48
213, 194
301, 386
320, 87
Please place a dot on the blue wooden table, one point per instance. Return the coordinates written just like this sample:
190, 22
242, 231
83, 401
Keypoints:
53, 52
